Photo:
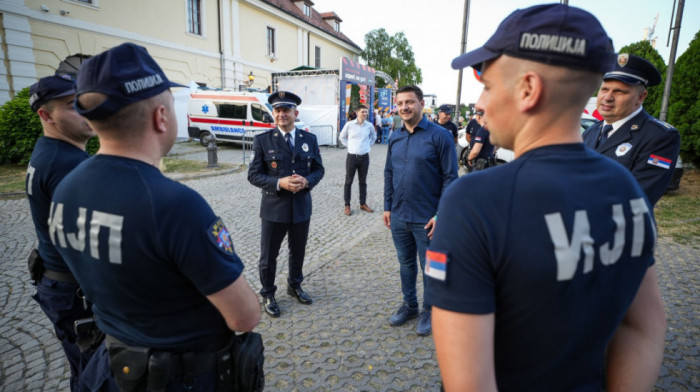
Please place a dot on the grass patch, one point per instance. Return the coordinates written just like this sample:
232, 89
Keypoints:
12, 178
173, 165
678, 212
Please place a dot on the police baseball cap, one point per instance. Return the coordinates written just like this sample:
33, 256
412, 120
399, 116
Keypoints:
554, 34
284, 99
49, 88
631, 69
445, 109
126, 74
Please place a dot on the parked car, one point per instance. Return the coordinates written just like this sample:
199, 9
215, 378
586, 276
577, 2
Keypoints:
300, 124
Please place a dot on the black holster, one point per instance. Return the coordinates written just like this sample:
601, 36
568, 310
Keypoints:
248, 360
129, 366
88, 334
36, 266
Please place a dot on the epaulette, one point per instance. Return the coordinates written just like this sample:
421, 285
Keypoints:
663, 124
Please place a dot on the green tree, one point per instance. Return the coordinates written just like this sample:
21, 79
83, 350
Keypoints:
684, 108
652, 103
393, 55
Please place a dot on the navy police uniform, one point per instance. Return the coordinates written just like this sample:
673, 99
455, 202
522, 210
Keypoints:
146, 250
283, 212
555, 263
485, 157
58, 293
557, 297
449, 125
647, 147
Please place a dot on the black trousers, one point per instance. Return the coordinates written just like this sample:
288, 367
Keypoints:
359, 163
271, 236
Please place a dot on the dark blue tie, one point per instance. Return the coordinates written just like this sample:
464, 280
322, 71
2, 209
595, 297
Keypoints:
288, 138
603, 135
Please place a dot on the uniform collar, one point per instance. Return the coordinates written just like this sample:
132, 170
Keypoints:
617, 124
292, 132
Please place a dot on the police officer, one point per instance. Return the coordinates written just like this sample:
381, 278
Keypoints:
560, 262
644, 145
286, 166
480, 148
55, 154
445, 120
149, 252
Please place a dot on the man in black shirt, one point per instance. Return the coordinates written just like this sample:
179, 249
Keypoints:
445, 120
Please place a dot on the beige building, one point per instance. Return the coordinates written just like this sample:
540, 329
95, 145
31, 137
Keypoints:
228, 44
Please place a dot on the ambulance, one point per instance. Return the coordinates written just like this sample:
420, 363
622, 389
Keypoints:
228, 115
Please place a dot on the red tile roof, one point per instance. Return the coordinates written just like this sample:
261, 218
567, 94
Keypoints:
315, 20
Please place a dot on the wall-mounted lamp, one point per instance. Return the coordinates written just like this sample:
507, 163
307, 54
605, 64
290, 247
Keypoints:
251, 79
44, 8
64, 12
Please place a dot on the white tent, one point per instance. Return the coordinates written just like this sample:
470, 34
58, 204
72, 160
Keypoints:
318, 90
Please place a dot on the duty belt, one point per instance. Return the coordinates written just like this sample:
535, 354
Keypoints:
188, 362
65, 277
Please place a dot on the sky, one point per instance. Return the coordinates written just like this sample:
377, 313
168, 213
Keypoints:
434, 30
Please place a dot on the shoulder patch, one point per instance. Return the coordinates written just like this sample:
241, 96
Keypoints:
436, 264
220, 237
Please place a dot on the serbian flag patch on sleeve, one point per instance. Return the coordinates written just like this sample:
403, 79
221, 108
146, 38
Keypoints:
659, 161
435, 264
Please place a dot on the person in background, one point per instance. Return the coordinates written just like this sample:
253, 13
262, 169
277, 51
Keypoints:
559, 264
359, 136
286, 167
445, 120
421, 162
378, 116
481, 150
55, 154
396, 122
647, 147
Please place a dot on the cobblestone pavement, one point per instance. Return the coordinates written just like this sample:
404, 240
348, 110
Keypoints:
343, 341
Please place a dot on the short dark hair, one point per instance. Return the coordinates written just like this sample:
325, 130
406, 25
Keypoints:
411, 89
360, 107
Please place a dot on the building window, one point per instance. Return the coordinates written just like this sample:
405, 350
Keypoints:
271, 48
336, 26
307, 10
194, 17
318, 57
85, 1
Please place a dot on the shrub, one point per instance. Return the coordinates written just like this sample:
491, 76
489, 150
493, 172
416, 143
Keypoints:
20, 128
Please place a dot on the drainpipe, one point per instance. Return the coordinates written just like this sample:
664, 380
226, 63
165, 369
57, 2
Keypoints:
221, 46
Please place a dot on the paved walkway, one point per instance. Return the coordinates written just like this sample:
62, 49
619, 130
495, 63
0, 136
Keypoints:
343, 341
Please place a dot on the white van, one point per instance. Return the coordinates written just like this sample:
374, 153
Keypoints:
228, 115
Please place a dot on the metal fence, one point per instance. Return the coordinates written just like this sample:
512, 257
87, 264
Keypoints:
325, 135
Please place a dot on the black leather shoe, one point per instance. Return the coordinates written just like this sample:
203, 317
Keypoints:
300, 295
270, 306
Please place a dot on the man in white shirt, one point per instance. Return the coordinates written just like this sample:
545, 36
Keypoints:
357, 135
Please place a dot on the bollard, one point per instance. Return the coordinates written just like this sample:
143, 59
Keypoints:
212, 158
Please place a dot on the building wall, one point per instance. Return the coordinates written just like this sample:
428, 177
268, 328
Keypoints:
35, 35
